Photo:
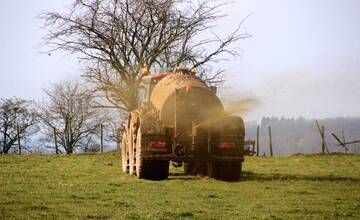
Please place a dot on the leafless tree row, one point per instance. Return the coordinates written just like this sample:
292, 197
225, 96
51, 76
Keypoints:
69, 115
66, 120
17, 120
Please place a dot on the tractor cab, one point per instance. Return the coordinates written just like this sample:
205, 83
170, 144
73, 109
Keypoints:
147, 84
149, 81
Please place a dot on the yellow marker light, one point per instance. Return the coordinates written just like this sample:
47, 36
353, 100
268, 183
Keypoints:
145, 70
193, 70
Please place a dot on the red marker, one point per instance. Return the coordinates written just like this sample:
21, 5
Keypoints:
188, 88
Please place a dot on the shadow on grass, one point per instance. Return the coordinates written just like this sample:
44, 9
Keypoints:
182, 176
249, 176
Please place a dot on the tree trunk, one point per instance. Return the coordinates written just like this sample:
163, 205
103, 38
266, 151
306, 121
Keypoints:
4, 144
6, 150
18, 139
133, 101
69, 150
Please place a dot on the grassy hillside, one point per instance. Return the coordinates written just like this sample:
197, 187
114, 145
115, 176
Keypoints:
93, 187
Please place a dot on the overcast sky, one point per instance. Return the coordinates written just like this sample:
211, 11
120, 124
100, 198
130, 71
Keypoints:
303, 58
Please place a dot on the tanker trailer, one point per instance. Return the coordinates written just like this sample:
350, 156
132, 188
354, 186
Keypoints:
182, 120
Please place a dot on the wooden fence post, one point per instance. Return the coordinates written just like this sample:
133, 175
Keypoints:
257, 139
322, 136
322, 139
344, 141
270, 141
101, 138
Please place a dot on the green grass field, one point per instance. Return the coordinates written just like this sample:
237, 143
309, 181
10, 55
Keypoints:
92, 186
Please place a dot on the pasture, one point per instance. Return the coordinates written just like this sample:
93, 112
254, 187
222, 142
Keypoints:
92, 186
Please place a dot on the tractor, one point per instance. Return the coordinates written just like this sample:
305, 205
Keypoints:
181, 120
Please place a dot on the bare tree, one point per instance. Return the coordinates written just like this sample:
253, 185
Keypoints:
117, 38
70, 115
17, 121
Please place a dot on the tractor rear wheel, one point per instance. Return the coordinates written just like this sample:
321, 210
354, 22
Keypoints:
225, 170
131, 146
124, 153
149, 169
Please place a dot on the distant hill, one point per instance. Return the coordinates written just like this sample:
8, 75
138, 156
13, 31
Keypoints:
301, 135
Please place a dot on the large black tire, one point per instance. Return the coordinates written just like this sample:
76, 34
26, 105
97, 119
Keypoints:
149, 169
225, 170
124, 154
